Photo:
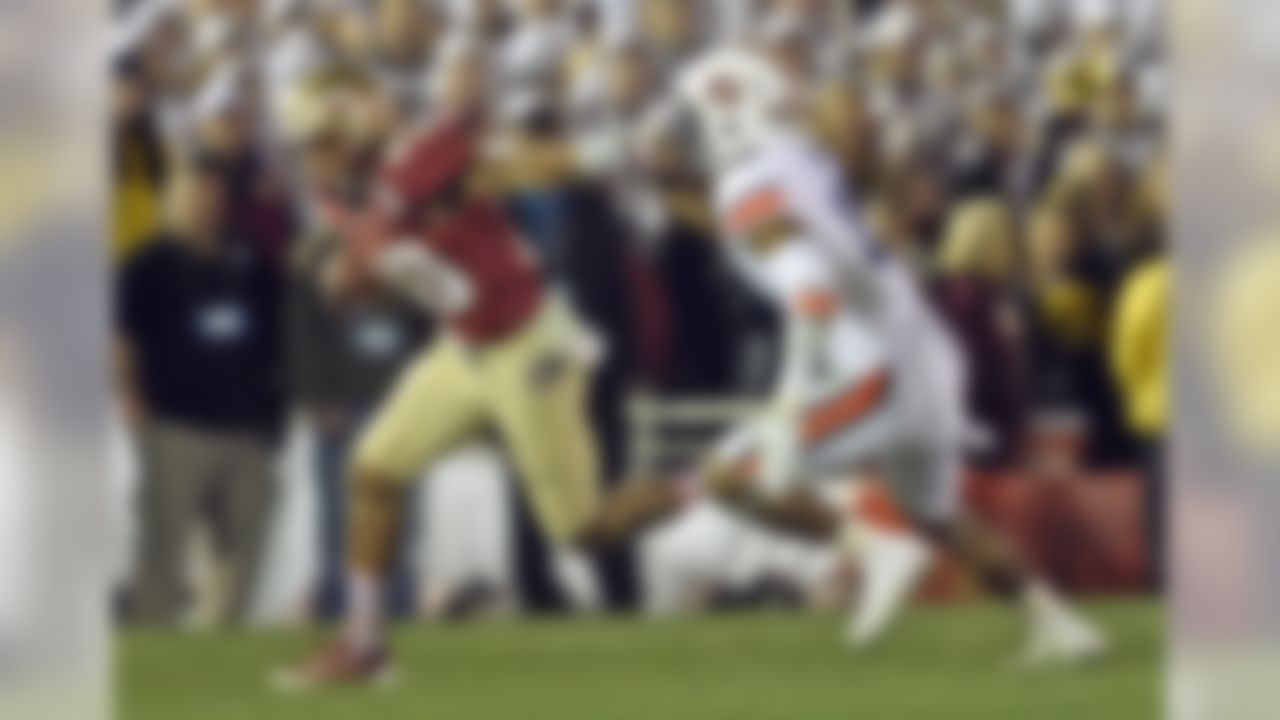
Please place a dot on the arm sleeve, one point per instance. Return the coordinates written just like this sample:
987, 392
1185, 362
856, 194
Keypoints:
428, 163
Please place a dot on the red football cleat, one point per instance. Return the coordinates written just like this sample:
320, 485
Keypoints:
337, 665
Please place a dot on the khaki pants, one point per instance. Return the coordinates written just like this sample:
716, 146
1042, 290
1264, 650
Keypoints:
531, 389
190, 475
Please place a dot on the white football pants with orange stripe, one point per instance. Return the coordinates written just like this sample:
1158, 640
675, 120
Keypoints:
901, 415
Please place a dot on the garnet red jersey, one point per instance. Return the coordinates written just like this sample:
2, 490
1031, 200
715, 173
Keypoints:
424, 197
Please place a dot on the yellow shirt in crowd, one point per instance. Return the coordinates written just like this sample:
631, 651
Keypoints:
1139, 351
136, 208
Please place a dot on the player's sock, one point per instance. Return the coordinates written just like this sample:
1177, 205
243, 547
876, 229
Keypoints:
363, 624
376, 515
871, 517
871, 503
357, 657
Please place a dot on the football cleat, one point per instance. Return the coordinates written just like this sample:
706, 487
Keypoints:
1065, 640
337, 665
892, 564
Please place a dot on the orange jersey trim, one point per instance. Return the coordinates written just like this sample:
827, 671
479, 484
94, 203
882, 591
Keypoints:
817, 304
758, 208
845, 410
874, 504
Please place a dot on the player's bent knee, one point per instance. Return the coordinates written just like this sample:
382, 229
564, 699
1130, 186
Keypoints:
729, 483
375, 515
366, 480
569, 530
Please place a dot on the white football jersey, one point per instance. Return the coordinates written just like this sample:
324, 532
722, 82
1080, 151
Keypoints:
792, 179
869, 374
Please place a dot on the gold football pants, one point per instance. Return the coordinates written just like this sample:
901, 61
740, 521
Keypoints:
529, 389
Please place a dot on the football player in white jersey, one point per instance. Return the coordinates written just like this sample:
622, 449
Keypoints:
869, 376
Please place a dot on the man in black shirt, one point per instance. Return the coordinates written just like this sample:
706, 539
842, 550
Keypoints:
198, 360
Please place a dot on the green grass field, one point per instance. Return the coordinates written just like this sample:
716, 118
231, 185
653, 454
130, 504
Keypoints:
952, 664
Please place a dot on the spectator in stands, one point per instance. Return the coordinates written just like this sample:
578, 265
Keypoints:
1140, 360
541, 45
139, 161
988, 159
257, 212
976, 293
673, 30
158, 38
913, 200
199, 338
1070, 310
1117, 119
1063, 306
910, 116
1097, 41
1103, 201
704, 328
598, 247
151, 68
589, 46
405, 36
1103, 197
347, 32
1066, 95
486, 21
842, 120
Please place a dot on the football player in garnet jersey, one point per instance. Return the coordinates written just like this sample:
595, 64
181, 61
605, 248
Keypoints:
511, 359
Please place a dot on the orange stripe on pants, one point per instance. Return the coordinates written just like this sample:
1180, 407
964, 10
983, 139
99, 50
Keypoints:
845, 410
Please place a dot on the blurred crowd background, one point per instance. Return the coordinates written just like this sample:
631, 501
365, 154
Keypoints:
1012, 151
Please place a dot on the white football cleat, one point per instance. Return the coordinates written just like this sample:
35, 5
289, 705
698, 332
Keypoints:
893, 563
1067, 639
